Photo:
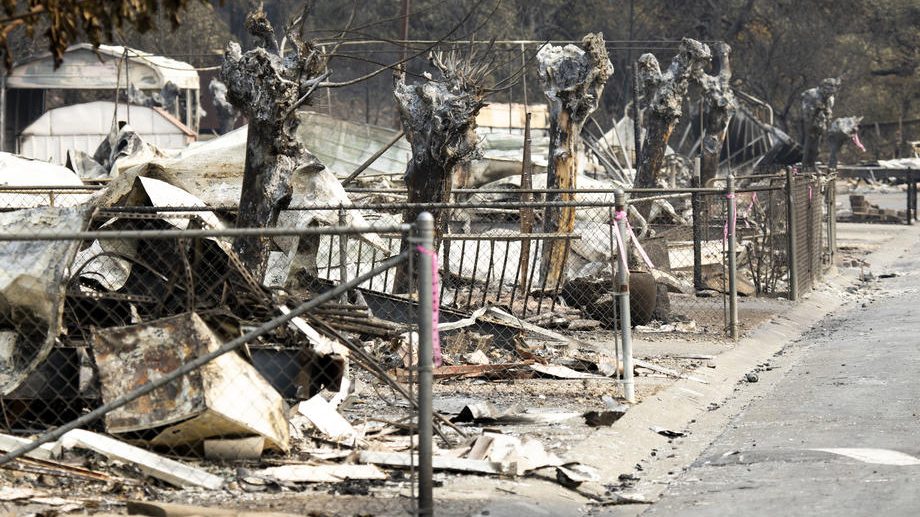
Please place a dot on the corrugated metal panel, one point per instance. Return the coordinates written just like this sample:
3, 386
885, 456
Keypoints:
85, 68
83, 126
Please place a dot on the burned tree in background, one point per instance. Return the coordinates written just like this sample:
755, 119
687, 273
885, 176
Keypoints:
817, 110
842, 130
439, 118
718, 108
227, 114
268, 87
573, 80
663, 95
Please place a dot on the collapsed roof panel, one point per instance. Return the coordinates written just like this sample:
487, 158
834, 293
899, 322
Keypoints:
32, 278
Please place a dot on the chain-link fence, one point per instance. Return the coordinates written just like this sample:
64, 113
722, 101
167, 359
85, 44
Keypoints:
133, 330
132, 336
786, 232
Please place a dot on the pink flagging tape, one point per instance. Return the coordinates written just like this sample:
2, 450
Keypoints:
809, 194
639, 248
855, 138
435, 305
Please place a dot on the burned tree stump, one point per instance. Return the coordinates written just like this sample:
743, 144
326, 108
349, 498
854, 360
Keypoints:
268, 88
226, 112
718, 108
817, 110
439, 118
663, 95
573, 80
842, 130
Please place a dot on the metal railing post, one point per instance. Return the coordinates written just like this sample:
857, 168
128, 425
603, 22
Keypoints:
425, 228
791, 237
343, 252
913, 182
629, 387
909, 179
732, 259
696, 207
832, 218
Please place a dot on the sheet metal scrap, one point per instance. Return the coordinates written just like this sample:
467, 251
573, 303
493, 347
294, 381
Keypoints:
32, 287
225, 397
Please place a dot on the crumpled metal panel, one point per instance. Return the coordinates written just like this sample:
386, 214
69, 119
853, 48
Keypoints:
32, 277
226, 397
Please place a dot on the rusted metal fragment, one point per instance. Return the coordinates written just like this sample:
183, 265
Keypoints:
226, 397
32, 278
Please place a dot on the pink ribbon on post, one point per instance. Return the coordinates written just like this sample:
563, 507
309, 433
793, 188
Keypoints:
620, 215
435, 305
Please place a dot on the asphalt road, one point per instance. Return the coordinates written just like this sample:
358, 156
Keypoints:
838, 435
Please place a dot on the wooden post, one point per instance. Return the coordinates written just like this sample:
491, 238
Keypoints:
526, 212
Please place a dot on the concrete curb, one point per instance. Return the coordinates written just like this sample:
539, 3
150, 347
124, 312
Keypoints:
618, 449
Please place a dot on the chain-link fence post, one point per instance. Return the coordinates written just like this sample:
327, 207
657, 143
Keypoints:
832, 218
791, 240
629, 388
696, 207
425, 232
343, 252
732, 258
909, 180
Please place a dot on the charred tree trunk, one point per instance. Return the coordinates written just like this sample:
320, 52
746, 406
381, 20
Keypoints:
267, 88
817, 110
842, 130
719, 106
439, 118
573, 80
663, 97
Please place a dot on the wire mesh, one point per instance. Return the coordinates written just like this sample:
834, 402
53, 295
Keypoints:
95, 307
